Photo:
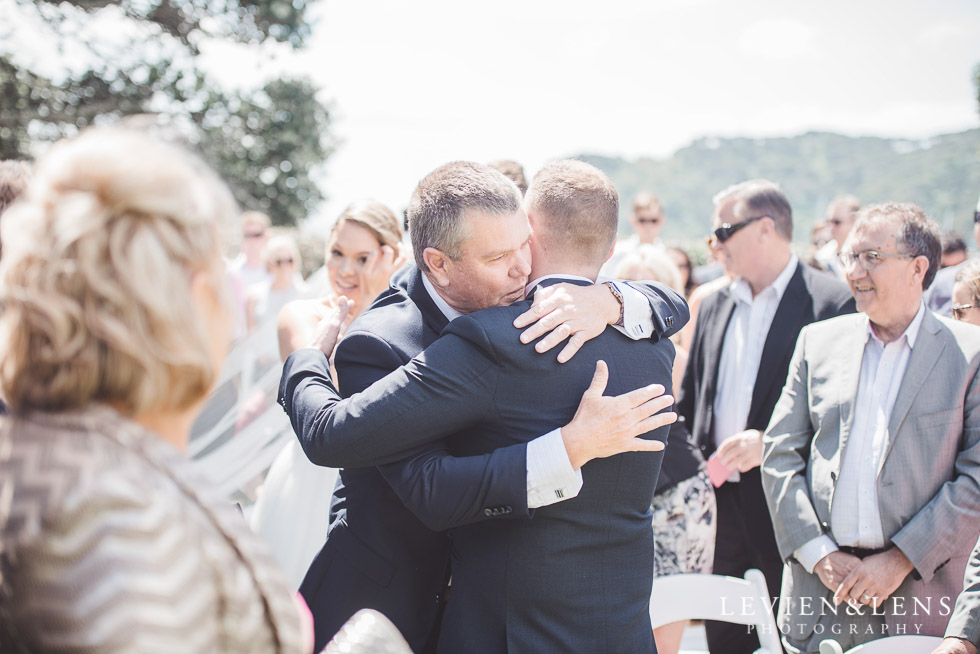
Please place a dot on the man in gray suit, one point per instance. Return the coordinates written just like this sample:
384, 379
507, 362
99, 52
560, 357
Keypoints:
963, 630
871, 465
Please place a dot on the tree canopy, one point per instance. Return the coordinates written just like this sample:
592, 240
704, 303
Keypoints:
264, 141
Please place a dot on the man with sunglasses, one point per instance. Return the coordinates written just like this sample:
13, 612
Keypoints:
939, 297
647, 222
840, 219
872, 458
743, 339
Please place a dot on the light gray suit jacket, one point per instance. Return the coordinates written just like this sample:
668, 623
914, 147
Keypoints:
965, 622
929, 477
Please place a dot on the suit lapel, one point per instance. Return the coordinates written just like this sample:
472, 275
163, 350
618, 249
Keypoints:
789, 319
412, 284
849, 358
715, 340
923, 359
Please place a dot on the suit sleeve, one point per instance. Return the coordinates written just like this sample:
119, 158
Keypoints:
670, 311
935, 533
444, 491
786, 446
446, 388
965, 621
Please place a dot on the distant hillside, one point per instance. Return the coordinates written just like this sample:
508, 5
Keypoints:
942, 174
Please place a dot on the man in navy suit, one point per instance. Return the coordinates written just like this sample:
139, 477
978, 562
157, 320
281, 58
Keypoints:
471, 235
577, 576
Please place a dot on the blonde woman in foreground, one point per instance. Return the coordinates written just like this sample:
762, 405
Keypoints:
114, 326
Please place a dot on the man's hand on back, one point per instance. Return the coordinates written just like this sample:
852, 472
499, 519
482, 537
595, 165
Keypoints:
604, 426
568, 311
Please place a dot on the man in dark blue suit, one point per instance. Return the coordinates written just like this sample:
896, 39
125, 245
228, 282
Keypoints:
577, 576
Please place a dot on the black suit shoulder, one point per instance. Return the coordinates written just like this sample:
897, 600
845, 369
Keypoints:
831, 297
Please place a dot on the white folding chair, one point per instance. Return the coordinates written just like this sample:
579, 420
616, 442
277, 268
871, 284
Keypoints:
889, 645
716, 597
368, 632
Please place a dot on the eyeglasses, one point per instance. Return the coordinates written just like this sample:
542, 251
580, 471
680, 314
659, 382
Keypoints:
869, 258
648, 221
281, 262
960, 310
727, 230
976, 216
254, 234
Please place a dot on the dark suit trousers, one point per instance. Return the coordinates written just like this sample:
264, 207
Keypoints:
744, 540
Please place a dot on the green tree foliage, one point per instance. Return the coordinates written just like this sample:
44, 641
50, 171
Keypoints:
264, 141
942, 174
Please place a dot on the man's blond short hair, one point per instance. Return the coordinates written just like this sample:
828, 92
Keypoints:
576, 210
95, 283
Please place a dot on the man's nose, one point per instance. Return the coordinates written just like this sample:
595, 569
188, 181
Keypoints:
522, 266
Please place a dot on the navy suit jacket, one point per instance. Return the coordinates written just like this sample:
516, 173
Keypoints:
377, 553
577, 576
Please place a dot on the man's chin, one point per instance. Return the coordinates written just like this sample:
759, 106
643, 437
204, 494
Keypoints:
513, 297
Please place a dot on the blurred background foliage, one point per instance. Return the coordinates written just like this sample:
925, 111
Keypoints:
267, 141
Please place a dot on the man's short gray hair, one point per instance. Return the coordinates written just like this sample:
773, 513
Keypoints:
917, 234
762, 198
441, 199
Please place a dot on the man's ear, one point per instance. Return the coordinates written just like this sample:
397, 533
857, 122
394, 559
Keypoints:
920, 266
612, 248
438, 262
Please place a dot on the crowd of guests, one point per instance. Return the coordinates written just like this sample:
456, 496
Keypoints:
827, 431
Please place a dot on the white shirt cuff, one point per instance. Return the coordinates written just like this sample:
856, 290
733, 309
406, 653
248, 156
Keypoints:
810, 553
637, 314
550, 476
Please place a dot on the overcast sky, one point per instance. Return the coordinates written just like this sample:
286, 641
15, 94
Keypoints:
414, 84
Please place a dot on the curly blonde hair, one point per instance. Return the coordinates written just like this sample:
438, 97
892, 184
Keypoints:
95, 282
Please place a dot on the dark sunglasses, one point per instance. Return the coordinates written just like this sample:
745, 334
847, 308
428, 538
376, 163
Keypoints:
976, 216
960, 310
648, 221
281, 262
726, 231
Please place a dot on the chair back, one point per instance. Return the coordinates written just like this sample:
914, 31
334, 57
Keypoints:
890, 645
717, 597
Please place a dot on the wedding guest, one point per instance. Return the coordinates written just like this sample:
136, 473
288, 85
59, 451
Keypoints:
282, 260
872, 458
939, 297
647, 221
839, 220
954, 250
115, 324
512, 171
966, 293
362, 252
740, 351
963, 631
682, 260
14, 177
684, 503
250, 262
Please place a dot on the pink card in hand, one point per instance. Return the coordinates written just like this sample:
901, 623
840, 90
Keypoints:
718, 472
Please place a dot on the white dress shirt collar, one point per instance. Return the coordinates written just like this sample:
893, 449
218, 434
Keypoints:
450, 313
911, 332
742, 292
530, 287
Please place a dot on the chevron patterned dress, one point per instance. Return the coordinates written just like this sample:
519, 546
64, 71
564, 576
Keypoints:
110, 542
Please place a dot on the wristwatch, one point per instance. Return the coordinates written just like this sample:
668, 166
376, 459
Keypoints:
619, 298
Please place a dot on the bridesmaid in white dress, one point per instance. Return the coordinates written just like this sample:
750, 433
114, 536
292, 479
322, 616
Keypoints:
363, 251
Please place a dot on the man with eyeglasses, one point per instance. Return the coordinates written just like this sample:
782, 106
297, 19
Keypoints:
872, 459
739, 355
939, 297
